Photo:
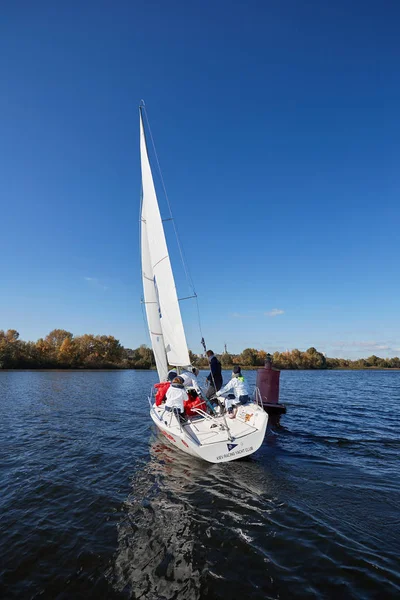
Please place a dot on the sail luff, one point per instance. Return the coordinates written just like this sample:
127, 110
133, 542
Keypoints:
151, 304
164, 289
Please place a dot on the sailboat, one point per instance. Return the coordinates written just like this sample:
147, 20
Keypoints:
205, 436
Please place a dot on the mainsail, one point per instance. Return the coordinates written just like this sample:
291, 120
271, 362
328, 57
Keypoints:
152, 309
162, 307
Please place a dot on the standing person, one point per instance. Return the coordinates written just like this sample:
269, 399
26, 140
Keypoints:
215, 377
189, 377
239, 387
175, 397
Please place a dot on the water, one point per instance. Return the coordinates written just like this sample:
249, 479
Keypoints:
95, 505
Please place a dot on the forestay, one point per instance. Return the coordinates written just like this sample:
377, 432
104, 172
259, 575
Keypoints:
162, 306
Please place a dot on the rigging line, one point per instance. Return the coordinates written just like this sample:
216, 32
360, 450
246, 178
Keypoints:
185, 267
198, 317
145, 325
215, 388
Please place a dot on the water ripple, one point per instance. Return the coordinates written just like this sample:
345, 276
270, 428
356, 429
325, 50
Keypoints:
95, 505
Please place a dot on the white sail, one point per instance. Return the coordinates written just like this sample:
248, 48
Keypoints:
152, 308
160, 271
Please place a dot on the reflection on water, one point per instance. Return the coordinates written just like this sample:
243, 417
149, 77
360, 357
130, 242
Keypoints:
169, 541
156, 538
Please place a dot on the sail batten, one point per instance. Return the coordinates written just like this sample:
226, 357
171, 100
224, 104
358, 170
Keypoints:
162, 305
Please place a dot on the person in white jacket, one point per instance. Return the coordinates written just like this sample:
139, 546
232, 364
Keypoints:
240, 392
189, 377
175, 397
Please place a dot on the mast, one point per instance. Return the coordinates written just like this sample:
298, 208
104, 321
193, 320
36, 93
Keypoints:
162, 307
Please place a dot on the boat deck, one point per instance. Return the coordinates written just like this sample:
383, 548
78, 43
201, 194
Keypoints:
209, 431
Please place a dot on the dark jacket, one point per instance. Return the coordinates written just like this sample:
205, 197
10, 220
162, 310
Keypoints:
215, 376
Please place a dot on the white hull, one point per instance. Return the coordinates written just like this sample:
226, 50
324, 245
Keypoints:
208, 438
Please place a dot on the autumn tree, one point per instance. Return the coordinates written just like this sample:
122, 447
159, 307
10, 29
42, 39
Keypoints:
315, 359
261, 357
68, 352
226, 359
249, 357
109, 349
87, 348
56, 337
60, 349
193, 358
10, 348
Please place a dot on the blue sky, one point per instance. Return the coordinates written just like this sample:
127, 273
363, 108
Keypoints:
278, 132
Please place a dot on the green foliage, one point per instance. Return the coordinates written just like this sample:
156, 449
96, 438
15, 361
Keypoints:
60, 349
249, 357
226, 360
141, 358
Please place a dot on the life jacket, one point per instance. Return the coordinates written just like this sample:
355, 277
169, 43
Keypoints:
162, 389
192, 403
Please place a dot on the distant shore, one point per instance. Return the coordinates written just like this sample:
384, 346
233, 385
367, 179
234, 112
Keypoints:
60, 349
202, 369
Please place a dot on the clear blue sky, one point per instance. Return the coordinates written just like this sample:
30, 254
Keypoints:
278, 131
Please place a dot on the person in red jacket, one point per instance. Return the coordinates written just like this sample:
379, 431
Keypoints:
163, 387
193, 401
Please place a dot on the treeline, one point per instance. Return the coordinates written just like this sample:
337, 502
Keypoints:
60, 349
296, 359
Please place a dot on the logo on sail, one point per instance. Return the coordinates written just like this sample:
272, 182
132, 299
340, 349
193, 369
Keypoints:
231, 447
157, 296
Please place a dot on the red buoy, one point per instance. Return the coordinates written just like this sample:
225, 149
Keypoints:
268, 384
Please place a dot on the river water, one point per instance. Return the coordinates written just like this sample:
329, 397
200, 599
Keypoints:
95, 505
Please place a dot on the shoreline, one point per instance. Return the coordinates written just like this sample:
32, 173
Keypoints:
245, 368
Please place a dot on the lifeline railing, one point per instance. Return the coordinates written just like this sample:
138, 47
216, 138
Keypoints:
161, 417
257, 397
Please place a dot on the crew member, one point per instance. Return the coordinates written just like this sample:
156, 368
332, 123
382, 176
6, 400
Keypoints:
176, 395
189, 377
193, 402
215, 377
239, 388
